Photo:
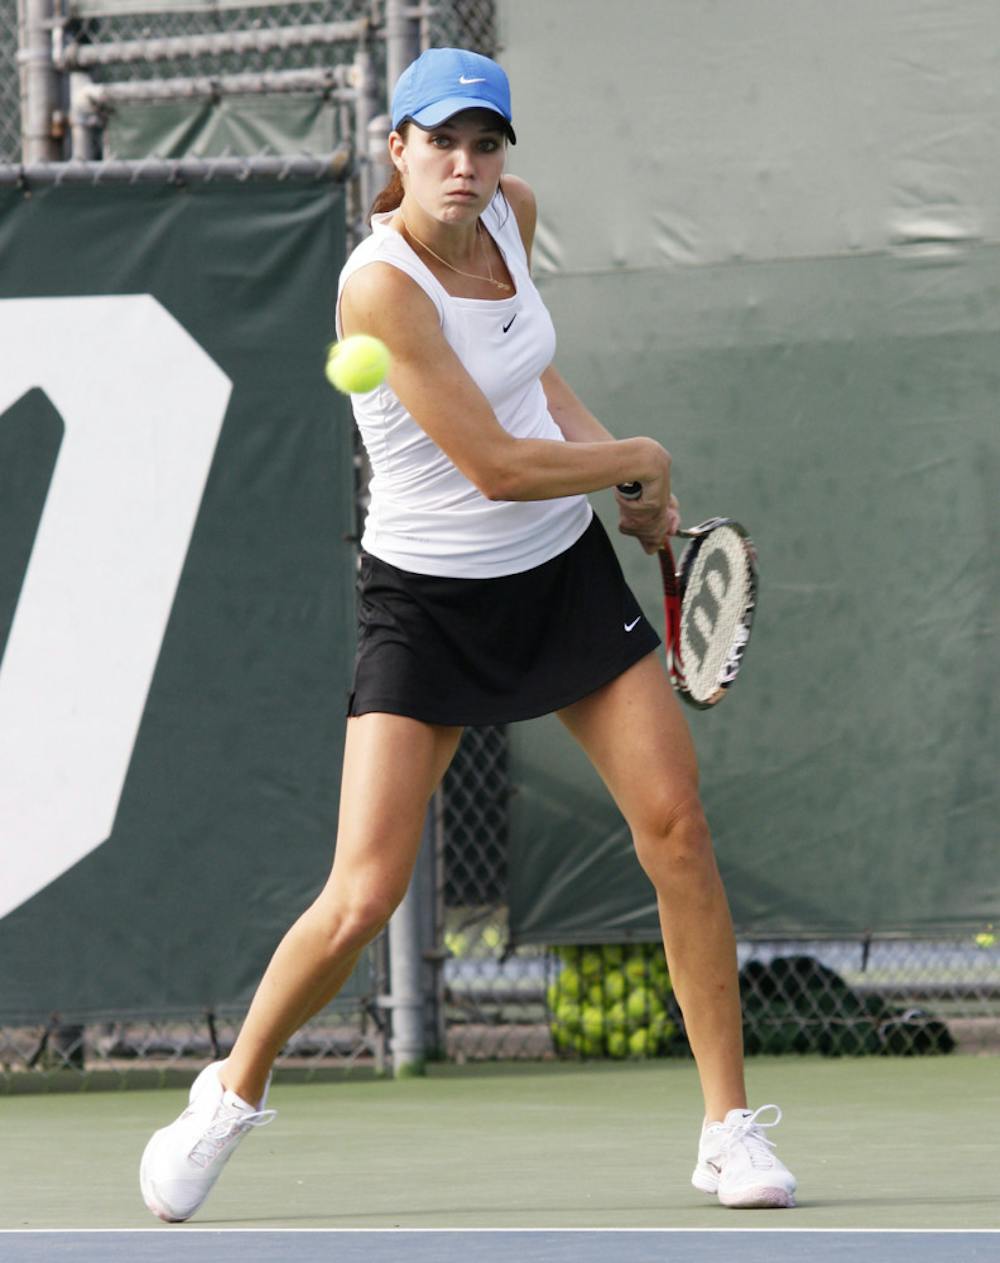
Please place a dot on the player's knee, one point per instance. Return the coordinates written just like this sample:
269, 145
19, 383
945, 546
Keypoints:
675, 839
353, 924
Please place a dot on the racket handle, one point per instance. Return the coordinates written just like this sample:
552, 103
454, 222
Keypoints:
633, 491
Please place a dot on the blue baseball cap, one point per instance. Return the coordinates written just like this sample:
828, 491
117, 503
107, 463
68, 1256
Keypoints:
444, 81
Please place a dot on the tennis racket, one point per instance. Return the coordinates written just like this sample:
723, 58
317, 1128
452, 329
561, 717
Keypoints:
710, 601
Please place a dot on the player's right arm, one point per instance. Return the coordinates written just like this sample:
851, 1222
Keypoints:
446, 403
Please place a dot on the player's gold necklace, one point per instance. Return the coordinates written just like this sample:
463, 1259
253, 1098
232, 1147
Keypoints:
480, 232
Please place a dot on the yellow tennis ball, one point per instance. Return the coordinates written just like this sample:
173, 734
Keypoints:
357, 364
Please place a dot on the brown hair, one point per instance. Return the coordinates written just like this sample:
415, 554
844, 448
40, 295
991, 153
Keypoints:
392, 195
390, 198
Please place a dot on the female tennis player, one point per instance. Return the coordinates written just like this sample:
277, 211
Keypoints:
489, 593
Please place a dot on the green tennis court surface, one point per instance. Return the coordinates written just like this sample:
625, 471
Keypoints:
875, 1143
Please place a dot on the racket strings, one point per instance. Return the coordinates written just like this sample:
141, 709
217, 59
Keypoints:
716, 613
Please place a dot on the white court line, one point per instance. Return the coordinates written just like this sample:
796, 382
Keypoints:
840, 1232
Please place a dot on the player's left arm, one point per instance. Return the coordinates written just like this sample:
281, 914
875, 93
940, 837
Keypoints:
577, 423
574, 419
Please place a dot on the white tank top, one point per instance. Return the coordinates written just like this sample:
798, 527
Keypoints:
425, 515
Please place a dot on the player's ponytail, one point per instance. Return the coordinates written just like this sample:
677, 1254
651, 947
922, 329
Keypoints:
392, 195
389, 198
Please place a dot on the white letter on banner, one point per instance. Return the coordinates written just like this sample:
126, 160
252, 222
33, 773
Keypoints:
142, 406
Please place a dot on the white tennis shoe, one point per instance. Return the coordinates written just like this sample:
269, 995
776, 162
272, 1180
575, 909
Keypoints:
737, 1161
182, 1162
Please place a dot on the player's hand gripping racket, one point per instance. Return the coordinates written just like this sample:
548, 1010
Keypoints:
710, 600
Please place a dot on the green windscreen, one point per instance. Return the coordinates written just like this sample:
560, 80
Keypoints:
759, 249
224, 826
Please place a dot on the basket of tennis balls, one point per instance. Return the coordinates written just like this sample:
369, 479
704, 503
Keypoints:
612, 1001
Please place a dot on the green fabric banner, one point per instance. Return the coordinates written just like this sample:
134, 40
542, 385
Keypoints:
234, 126
805, 310
850, 776
176, 587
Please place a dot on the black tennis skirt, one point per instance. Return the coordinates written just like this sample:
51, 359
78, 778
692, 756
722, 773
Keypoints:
493, 651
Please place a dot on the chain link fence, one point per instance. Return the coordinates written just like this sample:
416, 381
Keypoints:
171, 47
494, 1001
180, 24
464, 24
132, 1048
10, 88
839, 998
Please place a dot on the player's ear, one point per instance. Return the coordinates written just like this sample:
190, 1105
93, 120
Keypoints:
397, 148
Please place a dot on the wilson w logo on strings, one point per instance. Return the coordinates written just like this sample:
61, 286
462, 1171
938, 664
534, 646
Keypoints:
702, 613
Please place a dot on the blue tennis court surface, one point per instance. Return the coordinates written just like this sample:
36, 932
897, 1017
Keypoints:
201, 1245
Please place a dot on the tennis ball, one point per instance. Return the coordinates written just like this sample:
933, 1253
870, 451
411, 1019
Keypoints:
986, 940
617, 1044
642, 1004
566, 1040
635, 967
613, 955
569, 1017
615, 1018
614, 985
591, 964
662, 1030
492, 938
593, 1022
570, 983
357, 364
641, 1043
659, 978
591, 1045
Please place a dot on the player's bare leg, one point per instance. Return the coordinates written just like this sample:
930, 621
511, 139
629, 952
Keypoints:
392, 765
634, 734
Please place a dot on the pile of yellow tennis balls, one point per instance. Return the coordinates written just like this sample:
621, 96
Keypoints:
611, 1001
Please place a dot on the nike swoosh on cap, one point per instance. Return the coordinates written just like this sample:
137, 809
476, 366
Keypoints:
462, 79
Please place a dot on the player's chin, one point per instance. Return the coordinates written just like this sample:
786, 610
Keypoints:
458, 210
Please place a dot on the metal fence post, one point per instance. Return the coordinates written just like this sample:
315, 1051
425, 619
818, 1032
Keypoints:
377, 169
402, 41
406, 965
366, 87
432, 950
39, 83
85, 122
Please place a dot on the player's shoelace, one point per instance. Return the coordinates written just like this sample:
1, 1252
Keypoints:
750, 1133
214, 1138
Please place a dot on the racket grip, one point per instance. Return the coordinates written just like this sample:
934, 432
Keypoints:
630, 490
